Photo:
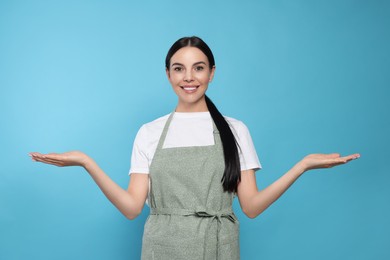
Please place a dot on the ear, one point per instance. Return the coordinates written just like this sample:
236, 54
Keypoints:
167, 72
212, 73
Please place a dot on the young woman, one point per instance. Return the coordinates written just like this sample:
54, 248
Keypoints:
190, 164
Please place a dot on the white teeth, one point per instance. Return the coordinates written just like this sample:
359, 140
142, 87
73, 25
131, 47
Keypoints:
189, 89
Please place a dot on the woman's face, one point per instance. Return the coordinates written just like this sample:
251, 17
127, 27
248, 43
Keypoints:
189, 74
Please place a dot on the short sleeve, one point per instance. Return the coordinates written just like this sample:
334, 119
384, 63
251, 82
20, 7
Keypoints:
247, 152
139, 158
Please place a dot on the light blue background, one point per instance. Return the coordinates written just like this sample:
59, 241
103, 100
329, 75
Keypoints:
305, 76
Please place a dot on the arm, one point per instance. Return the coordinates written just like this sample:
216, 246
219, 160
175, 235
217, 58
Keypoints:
130, 202
254, 202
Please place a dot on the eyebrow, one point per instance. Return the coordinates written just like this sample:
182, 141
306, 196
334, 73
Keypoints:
196, 63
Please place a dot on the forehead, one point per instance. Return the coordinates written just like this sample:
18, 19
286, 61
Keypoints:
189, 55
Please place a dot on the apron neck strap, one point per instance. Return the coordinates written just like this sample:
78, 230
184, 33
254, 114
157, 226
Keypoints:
165, 131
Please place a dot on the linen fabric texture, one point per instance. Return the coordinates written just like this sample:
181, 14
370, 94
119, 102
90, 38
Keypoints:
191, 217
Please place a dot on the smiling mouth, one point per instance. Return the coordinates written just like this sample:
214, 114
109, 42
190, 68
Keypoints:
189, 89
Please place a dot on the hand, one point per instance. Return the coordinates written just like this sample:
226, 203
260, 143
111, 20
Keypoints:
318, 161
73, 158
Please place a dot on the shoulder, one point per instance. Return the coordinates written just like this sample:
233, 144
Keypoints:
233, 121
239, 129
247, 151
150, 132
237, 125
153, 126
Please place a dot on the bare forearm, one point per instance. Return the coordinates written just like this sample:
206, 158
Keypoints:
254, 202
130, 202
264, 198
117, 195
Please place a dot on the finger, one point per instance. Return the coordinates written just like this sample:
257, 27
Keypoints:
40, 155
333, 165
342, 160
325, 156
53, 156
34, 154
351, 157
37, 155
328, 155
333, 162
56, 163
45, 157
334, 155
356, 156
35, 158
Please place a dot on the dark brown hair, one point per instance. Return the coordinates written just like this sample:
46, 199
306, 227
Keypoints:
232, 174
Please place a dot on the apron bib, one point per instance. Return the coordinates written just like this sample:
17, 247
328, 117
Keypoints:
191, 217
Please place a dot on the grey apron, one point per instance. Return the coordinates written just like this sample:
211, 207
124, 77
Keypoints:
191, 216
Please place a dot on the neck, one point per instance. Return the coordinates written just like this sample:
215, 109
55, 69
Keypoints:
200, 106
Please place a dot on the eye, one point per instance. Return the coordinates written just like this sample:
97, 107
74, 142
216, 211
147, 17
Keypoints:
177, 68
199, 68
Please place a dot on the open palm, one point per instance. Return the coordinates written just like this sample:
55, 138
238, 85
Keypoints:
72, 158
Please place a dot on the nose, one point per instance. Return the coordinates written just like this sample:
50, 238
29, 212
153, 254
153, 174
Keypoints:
188, 77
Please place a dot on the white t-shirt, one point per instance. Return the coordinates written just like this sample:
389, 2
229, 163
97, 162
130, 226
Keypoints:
188, 129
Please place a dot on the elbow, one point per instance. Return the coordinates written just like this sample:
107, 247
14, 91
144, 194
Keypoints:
251, 216
250, 213
133, 214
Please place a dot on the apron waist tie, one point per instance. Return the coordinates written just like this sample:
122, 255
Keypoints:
202, 213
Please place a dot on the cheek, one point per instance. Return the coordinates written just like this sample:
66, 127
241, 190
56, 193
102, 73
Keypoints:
173, 79
176, 76
204, 78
